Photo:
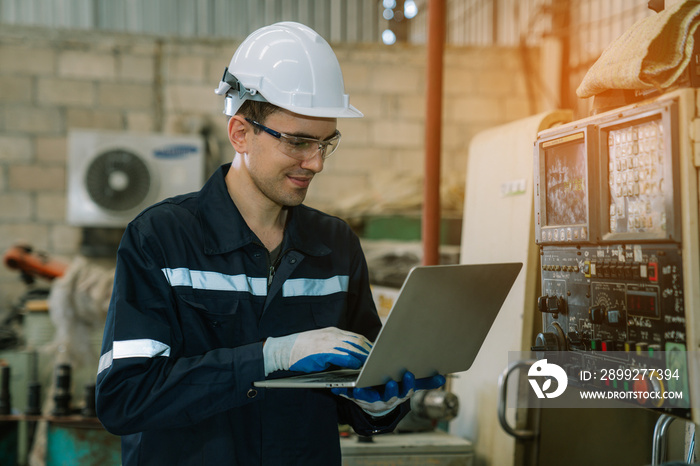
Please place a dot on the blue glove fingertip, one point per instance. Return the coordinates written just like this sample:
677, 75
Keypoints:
430, 383
435, 381
391, 390
440, 380
366, 394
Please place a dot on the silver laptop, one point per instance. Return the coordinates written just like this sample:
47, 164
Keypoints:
436, 326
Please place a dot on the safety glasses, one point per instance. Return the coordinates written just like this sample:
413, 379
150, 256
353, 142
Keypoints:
301, 148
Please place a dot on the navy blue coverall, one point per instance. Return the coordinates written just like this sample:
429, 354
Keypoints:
194, 298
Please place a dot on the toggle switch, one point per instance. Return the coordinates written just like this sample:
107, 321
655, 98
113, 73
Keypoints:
551, 304
597, 314
615, 317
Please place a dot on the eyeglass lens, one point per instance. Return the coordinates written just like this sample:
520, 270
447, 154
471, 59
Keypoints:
301, 148
305, 148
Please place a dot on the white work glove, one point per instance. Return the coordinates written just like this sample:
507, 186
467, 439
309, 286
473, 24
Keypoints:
380, 401
315, 350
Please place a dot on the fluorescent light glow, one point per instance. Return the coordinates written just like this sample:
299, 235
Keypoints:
410, 9
388, 37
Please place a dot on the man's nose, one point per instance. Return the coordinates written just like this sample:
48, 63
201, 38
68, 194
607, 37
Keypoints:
315, 163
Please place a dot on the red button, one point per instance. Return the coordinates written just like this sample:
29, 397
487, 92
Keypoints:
641, 386
653, 272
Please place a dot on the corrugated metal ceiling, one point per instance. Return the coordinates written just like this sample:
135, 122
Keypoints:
592, 23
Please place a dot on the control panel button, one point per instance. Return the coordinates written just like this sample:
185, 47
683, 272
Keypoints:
615, 317
653, 272
653, 351
551, 304
641, 348
641, 386
597, 314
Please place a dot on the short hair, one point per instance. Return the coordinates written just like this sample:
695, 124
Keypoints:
257, 111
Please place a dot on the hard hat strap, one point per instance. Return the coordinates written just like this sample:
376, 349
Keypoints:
235, 84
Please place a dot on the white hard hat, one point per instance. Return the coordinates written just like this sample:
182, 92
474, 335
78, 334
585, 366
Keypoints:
291, 66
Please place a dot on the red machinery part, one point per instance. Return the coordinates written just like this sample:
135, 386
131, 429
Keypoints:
23, 258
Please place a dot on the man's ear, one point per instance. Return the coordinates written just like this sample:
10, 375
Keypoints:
237, 131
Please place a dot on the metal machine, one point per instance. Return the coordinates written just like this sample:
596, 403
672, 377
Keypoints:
416, 440
616, 222
616, 227
616, 233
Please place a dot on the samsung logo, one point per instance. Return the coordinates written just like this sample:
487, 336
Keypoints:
175, 151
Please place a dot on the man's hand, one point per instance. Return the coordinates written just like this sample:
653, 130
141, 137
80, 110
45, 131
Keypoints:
380, 401
316, 350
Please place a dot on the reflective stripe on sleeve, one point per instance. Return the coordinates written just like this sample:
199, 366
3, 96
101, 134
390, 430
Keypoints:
203, 280
315, 286
105, 361
133, 349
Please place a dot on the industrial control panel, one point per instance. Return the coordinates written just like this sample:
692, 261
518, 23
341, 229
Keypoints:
608, 225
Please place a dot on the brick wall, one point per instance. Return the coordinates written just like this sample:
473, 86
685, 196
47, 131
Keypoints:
51, 81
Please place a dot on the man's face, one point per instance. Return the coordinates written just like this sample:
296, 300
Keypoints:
281, 178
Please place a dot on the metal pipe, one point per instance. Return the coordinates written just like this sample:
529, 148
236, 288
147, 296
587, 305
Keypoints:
433, 132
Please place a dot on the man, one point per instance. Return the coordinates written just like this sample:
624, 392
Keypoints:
218, 289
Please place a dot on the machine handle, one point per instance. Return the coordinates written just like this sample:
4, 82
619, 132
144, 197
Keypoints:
519, 434
660, 442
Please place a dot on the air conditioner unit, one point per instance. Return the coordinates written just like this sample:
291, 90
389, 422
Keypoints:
113, 175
